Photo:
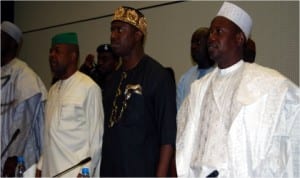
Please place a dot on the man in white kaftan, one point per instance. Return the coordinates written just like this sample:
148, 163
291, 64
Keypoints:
242, 120
259, 137
23, 96
74, 125
74, 114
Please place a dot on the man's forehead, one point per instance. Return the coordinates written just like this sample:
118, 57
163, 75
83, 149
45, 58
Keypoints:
199, 35
60, 45
105, 53
119, 23
220, 21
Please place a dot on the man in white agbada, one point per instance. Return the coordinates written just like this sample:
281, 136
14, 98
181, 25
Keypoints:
23, 96
74, 114
242, 119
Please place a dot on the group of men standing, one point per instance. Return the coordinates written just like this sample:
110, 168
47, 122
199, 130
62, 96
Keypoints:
238, 120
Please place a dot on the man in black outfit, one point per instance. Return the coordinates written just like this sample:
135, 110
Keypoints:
140, 105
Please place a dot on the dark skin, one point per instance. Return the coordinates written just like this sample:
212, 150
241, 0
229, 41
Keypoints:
89, 61
127, 42
225, 42
63, 60
199, 50
106, 62
9, 48
10, 166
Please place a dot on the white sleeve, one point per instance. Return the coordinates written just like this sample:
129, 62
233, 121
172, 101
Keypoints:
95, 115
40, 163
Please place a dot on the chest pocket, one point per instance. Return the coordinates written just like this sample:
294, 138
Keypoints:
72, 115
135, 111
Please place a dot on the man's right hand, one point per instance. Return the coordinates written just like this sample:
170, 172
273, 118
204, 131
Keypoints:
10, 166
38, 173
89, 60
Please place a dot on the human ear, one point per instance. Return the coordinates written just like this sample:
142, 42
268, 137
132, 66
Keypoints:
138, 35
240, 38
74, 55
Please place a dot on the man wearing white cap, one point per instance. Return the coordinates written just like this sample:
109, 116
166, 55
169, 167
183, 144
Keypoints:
23, 95
242, 119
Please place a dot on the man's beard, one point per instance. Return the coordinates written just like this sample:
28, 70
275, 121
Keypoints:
59, 72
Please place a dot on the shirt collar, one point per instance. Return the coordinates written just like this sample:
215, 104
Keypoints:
232, 68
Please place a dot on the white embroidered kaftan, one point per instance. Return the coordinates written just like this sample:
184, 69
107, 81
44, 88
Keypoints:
249, 129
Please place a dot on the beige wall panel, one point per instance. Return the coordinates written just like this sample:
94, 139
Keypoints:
275, 30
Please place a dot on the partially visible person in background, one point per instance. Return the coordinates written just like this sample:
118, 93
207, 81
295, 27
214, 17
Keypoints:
107, 62
23, 96
203, 65
89, 66
74, 114
250, 51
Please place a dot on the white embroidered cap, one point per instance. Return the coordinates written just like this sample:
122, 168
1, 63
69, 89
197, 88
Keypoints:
12, 30
238, 16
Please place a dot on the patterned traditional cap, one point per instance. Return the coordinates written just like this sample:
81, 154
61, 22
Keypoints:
65, 38
238, 16
131, 16
12, 30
